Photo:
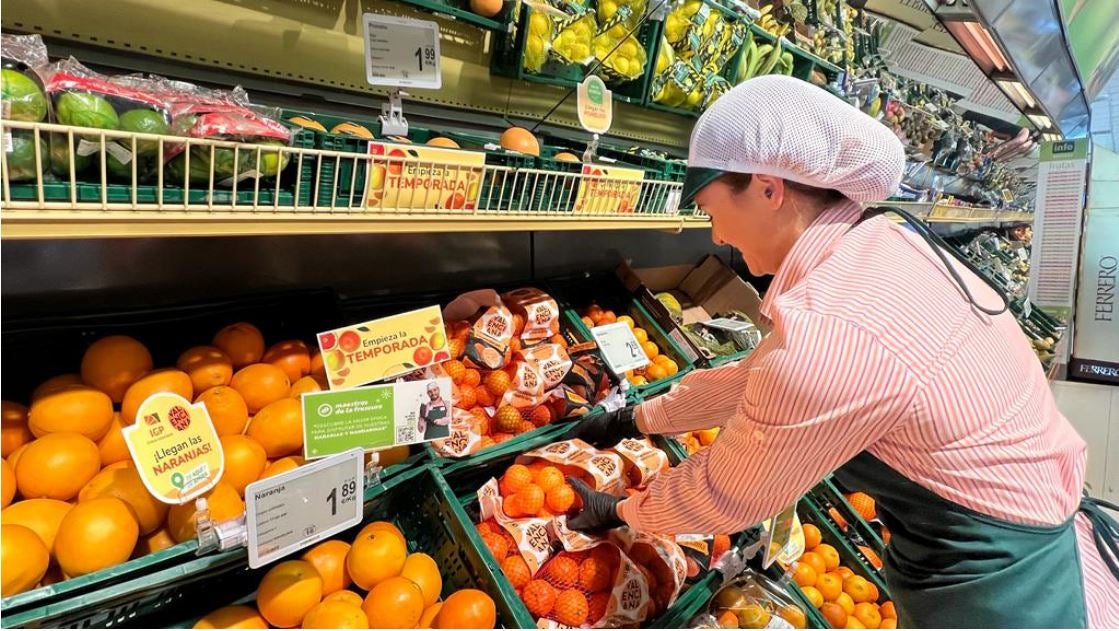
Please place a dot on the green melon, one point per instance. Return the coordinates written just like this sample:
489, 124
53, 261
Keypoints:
60, 157
21, 158
23, 96
84, 109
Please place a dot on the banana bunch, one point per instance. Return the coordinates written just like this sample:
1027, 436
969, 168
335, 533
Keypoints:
770, 24
765, 59
575, 39
538, 40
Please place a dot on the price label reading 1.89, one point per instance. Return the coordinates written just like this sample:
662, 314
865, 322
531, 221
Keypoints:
296, 509
401, 52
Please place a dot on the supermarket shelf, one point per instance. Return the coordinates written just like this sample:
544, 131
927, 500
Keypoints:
78, 224
943, 213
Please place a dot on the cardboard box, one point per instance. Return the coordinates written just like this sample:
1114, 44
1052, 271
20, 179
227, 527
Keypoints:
704, 289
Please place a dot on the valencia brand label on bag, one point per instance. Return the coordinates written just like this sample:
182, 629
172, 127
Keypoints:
175, 448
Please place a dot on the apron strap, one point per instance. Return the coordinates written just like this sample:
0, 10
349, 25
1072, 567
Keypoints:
1105, 530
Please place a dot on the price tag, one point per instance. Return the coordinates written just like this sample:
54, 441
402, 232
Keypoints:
781, 538
728, 324
620, 348
299, 508
402, 52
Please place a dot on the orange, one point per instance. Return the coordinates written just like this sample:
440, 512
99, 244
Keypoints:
588, 322
346, 596
279, 427
887, 610
834, 614
844, 600
94, 535
707, 436
843, 572
318, 368
655, 372
727, 619
42, 516
804, 574
394, 603
811, 536
245, 461
287, 463
531, 499
628, 321
863, 505
794, 615
304, 384
508, 419
153, 542
207, 367
78, 409
516, 570
829, 585
560, 499
242, 342
56, 383
335, 615
521, 140
13, 458
641, 334
571, 608
595, 575
599, 601
608, 317
260, 384
496, 543
516, 477
287, 592
858, 588
15, 432
873, 592
814, 560
651, 349
424, 572
57, 466
383, 526
23, 557
670, 366
456, 370
867, 614
888, 623
291, 356
472, 378
467, 609
166, 380
428, 617
224, 504
853, 623
539, 597
497, 382
112, 364
440, 141
124, 483
226, 408
466, 397
232, 617
830, 554
562, 571
8, 477
813, 595
111, 446
376, 556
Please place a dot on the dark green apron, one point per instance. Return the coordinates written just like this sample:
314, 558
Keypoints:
949, 566
432, 414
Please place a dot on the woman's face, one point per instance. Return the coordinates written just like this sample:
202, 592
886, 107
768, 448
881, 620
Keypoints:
748, 219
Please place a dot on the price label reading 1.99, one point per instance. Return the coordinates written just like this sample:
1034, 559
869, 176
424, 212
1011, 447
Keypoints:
401, 52
299, 508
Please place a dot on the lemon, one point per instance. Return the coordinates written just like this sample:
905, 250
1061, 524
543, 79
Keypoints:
607, 9
580, 51
534, 47
539, 25
618, 31
694, 98
628, 49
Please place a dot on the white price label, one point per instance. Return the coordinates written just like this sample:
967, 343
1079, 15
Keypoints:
620, 348
87, 148
738, 326
124, 156
402, 52
296, 509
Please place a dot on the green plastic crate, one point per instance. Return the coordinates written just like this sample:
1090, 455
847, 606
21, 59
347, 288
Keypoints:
827, 495
509, 52
466, 478
609, 293
148, 194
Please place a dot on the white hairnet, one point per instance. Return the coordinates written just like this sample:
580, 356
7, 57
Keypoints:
788, 128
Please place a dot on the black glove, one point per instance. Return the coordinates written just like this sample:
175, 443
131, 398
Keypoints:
600, 510
604, 429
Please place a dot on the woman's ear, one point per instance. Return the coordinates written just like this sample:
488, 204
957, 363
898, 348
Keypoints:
769, 191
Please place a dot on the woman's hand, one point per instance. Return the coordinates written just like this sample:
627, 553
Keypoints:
599, 512
604, 429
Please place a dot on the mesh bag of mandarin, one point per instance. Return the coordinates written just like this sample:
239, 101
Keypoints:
589, 583
538, 312
522, 541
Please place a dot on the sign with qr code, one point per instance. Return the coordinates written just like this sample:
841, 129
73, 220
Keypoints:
376, 417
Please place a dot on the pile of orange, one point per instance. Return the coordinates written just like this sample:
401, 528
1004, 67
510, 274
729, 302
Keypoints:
694, 442
572, 588
660, 367
538, 489
846, 600
324, 589
68, 476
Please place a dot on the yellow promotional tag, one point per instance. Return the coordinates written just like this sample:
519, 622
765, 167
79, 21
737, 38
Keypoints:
175, 448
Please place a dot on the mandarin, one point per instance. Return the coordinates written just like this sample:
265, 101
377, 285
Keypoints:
288, 592
113, 363
207, 367
242, 342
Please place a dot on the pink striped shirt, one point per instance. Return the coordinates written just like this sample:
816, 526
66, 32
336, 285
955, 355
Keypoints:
874, 347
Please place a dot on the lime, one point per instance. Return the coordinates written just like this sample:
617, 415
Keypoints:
20, 93
84, 109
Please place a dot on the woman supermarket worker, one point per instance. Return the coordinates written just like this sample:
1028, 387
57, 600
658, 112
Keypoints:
889, 363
